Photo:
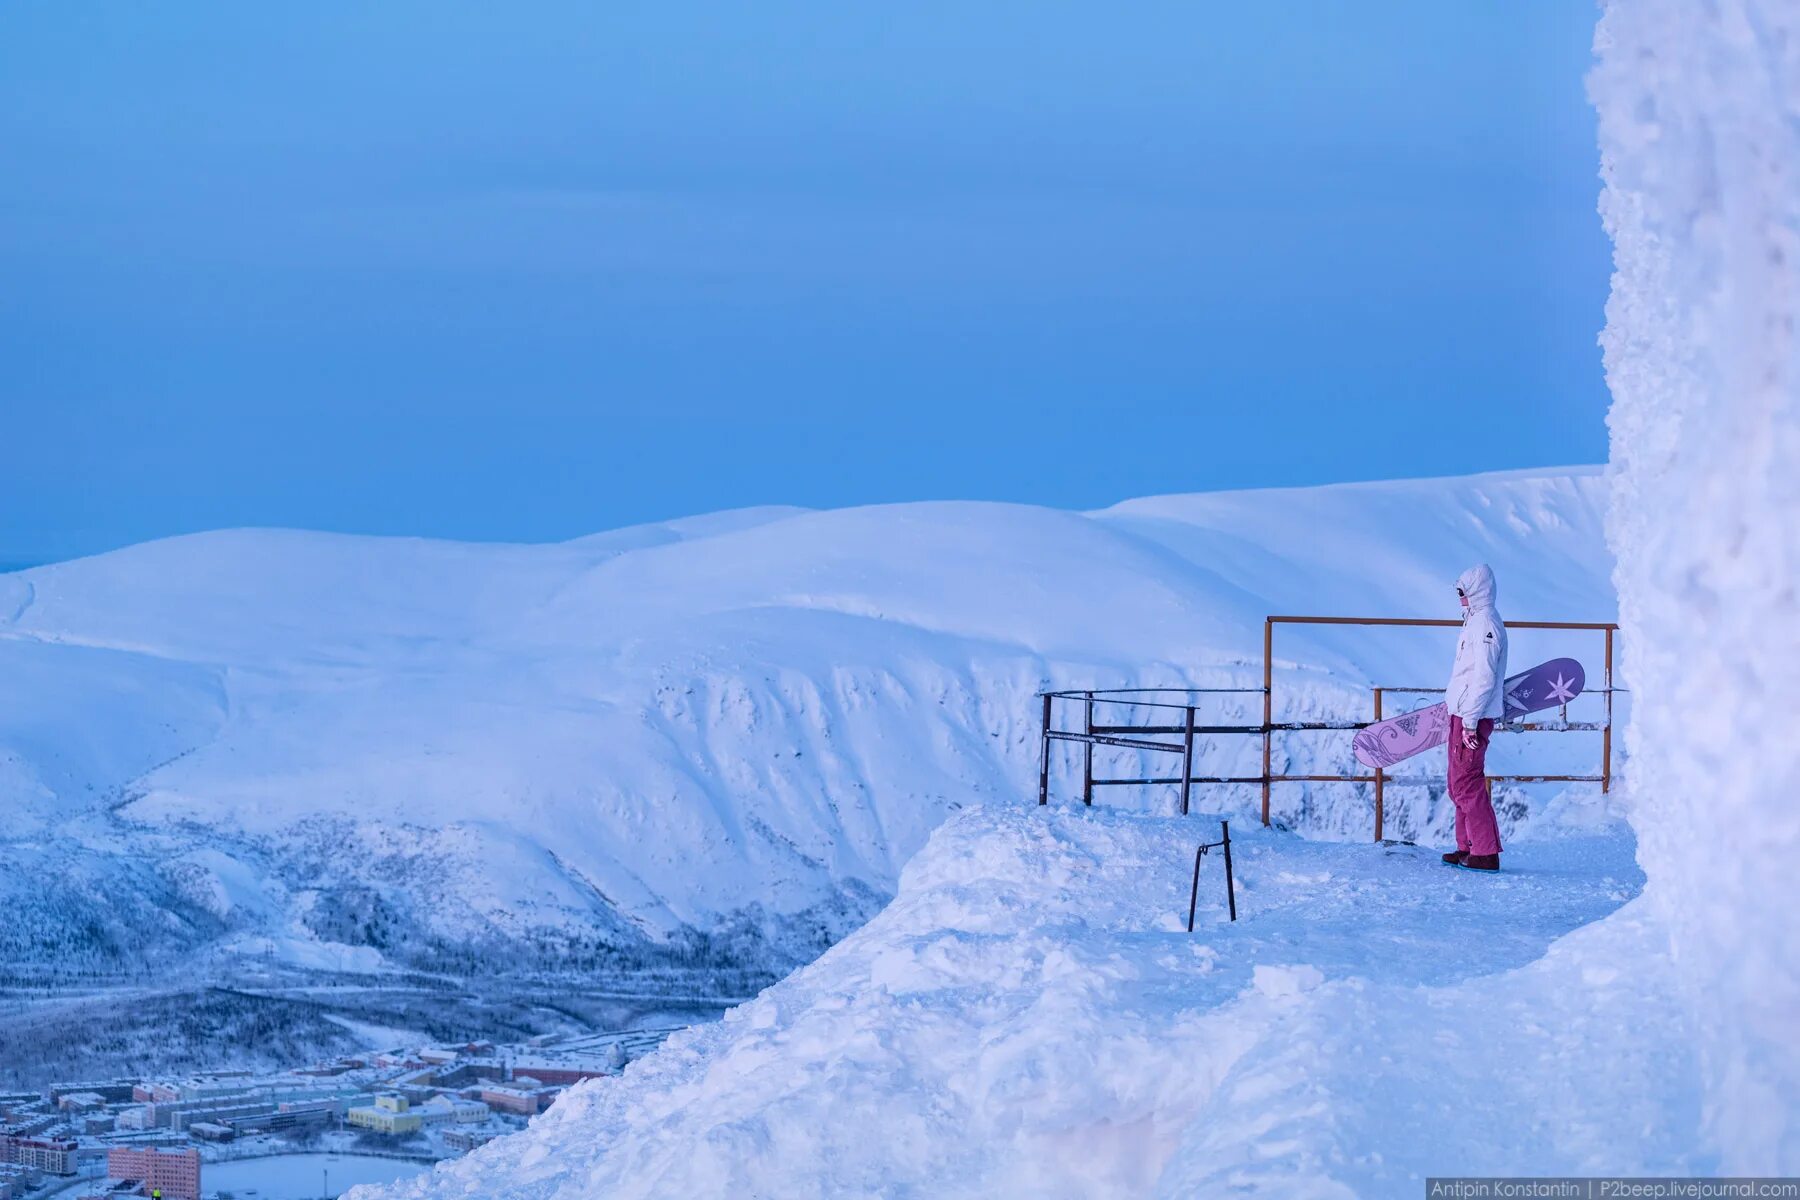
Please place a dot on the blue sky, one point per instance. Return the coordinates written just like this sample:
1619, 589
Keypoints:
526, 271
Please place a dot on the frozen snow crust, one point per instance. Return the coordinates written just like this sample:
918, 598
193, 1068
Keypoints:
1700, 133
717, 739
1028, 1018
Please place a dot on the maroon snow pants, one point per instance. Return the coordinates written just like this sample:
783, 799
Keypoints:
1476, 830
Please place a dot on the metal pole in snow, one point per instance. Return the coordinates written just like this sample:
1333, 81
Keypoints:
1606, 737
1230, 888
1380, 779
1194, 894
1087, 757
1187, 760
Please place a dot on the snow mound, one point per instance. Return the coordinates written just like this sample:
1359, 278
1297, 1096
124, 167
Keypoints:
1028, 1018
1700, 132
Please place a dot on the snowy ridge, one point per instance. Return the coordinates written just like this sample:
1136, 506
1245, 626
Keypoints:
359, 753
1029, 1018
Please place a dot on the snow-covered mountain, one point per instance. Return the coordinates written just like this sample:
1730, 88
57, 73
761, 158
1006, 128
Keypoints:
719, 739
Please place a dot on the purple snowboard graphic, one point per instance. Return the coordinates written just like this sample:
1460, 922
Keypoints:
1398, 738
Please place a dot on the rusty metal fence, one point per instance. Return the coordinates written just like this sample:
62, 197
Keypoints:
1167, 713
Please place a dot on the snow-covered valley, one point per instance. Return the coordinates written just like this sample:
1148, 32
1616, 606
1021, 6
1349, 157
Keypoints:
685, 757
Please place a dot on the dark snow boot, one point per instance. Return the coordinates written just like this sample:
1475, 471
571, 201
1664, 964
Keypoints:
1455, 857
1482, 862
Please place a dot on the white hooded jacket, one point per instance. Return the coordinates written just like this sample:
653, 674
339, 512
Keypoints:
1478, 680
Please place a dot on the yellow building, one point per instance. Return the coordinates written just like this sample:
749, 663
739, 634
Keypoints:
389, 1115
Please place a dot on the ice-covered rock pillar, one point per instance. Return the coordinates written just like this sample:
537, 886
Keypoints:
1699, 104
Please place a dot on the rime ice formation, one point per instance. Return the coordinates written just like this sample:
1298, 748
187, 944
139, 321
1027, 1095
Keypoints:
1700, 135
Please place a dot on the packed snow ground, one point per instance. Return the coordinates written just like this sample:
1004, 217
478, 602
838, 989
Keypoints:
357, 754
1030, 1018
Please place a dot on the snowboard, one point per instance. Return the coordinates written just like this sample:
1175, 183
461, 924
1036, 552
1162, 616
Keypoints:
1399, 738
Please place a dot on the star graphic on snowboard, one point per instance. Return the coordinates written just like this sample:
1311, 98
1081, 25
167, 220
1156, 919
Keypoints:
1562, 690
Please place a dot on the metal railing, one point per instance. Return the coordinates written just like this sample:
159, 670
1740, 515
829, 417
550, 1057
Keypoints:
1146, 736
1223, 843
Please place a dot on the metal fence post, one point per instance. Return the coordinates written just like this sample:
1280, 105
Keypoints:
1606, 737
1380, 779
1230, 887
1087, 757
1187, 760
1268, 706
1194, 892
1044, 757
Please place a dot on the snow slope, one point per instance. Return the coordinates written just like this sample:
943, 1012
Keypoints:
1029, 1018
1700, 131
719, 738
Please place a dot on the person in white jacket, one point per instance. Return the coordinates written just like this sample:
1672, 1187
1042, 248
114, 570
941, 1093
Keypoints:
1476, 699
